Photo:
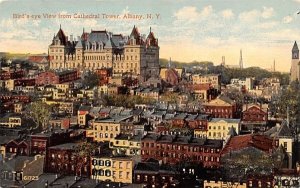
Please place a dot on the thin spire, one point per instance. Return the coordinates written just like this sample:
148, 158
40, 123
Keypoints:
150, 29
241, 59
169, 64
59, 26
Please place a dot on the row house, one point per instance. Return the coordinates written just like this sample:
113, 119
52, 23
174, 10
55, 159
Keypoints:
62, 159
219, 128
222, 107
126, 144
151, 93
18, 146
174, 149
14, 98
52, 77
10, 120
11, 74
198, 122
105, 129
204, 92
114, 168
155, 175
26, 85
41, 141
212, 79
83, 115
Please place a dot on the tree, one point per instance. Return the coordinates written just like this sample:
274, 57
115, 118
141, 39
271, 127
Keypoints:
39, 112
91, 80
83, 151
240, 164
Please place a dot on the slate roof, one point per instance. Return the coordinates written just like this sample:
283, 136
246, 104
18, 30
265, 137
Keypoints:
66, 146
279, 130
295, 47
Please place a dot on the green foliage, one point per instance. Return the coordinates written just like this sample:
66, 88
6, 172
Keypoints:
39, 112
127, 101
91, 80
170, 97
178, 64
83, 151
240, 164
289, 99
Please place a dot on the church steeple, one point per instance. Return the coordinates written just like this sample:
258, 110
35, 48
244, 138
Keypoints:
295, 51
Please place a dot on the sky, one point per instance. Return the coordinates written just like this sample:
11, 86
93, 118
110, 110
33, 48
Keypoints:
187, 30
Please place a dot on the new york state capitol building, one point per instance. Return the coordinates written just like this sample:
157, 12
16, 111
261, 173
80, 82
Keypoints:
135, 54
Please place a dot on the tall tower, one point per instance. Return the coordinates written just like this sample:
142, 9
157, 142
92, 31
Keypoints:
241, 59
223, 61
274, 66
295, 63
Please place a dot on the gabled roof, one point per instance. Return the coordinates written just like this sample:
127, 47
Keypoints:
232, 132
221, 101
279, 130
260, 142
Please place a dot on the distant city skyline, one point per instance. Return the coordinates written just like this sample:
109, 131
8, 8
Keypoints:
198, 30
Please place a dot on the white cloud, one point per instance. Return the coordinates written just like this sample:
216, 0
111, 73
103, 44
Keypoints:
254, 15
267, 25
227, 14
206, 11
287, 19
267, 12
189, 14
249, 16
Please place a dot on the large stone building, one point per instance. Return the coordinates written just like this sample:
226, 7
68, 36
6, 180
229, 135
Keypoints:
135, 54
295, 74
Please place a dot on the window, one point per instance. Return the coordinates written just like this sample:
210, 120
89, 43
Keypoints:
107, 163
285, 145
107, 173
101, 163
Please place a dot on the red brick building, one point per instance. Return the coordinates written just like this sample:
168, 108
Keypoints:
174, 149
18, 147
103, 75
62, 159
41, 141
14, 98
198, 121
222, 107
254, 117
179, 120
51, 77
6, 75
24, 82
151, 173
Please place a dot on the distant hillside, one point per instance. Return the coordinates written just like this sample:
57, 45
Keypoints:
178, 64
